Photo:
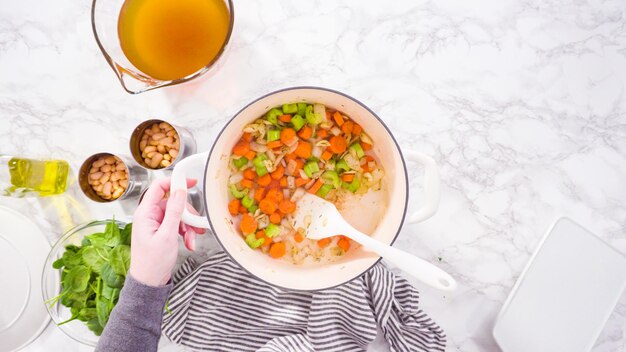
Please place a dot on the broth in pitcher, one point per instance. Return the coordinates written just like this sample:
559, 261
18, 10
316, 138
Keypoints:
171, 39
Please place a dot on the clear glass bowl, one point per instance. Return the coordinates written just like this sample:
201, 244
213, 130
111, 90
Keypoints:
51, 282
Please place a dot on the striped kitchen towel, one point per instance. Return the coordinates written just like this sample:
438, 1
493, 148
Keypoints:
217, 306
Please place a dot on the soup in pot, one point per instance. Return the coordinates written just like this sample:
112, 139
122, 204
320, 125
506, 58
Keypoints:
293, 149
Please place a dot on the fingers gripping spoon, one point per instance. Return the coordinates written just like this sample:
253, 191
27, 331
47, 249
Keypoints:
321, 219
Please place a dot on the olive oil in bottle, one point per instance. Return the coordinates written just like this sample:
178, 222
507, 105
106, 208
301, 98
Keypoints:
29, 177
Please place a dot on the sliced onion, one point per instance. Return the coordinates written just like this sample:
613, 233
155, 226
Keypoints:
323, 143
309, 184
335, 131
259, 148
297, 195
317, 152
303, 174
365, 138
321, 110
263, 221
292, 141
291, 182
235, 178
326, 124
352, 161
286, 193
291, 167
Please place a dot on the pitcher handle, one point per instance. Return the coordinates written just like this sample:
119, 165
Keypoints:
431, 186
179, 181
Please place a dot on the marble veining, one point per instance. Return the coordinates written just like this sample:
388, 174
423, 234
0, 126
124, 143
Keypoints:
520, 102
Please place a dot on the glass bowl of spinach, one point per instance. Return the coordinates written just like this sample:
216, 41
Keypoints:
83, 276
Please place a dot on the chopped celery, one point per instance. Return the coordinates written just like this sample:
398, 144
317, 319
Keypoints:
290, 108
272, 230
297, 122
332, 178
237, 193
357, 149
311, 117
272, 115
310, 168
341, 166
253, 208
352, 186
323, 191
301, 108
247, 202
254, 242
241, 162
273, 135
259, 164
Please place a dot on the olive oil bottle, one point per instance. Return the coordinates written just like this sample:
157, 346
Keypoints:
20, 177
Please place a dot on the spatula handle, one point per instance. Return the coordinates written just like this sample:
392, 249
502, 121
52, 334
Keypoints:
412, 265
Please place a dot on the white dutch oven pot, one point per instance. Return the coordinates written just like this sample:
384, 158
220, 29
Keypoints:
279, 272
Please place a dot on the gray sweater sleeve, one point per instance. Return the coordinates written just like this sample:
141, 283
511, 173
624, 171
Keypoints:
135, 322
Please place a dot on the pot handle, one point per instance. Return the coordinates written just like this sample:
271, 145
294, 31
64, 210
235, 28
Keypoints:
179, 181
431, 186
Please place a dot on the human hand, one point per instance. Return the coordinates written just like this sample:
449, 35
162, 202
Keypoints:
156, 226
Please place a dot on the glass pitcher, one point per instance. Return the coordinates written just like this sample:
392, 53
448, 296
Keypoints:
104, 23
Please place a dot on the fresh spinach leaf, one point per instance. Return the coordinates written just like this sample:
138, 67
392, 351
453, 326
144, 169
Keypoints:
94, 325
102, 310
58, 264
95, 257
119, 259
126, 234
112, 235
77, 278
110, 278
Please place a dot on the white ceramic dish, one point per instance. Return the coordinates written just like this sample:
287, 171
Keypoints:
308, 277
24, 249
565, 294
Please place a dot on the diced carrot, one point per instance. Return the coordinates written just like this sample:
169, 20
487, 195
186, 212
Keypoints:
241, 148
283, 182
264, 180
290, 156
321, 133
347, 177
274, 144
347, 127
266, 240
287, 206
305, 132
301, 182
327, 154
287, 135
328, 114
303, 149
366, 146
267, 206
279, 172
285, 118
242, 209
344, 243
275, 195
250, 155
323, 242
275, 218
338, 144
248, 224
233, 206
338, 118
357, 129
249, 174
259, 194
316, 186
299, 164
274, 184
277, 250
298, 237
247, 136
246, 183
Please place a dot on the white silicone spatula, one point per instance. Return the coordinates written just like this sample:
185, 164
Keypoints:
321, 218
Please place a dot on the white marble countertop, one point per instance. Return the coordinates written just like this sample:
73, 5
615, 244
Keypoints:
521, 103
